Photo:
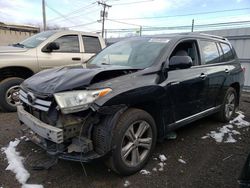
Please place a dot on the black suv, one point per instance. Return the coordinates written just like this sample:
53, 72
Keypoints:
118, 104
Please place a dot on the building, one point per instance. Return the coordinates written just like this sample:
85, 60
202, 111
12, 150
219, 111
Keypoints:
10, 33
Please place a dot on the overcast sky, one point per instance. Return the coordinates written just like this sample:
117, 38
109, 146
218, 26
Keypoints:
70, 13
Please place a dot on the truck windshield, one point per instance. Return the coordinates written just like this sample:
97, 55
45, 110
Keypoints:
35, 40
137, 53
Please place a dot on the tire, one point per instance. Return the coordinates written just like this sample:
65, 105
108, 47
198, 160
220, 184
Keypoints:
138, 153
8, 86
228, 108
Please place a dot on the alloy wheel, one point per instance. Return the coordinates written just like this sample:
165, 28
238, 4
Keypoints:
230, 105
12, 95
136, 143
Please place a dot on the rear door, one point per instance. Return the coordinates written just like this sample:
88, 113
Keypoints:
91, 46
215, 69
69, 53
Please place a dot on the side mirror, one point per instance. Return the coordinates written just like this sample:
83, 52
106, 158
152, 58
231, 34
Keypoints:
51, 47
180, 62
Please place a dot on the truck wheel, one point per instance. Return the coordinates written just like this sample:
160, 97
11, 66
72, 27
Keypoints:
9, 91
228, 107
134, 138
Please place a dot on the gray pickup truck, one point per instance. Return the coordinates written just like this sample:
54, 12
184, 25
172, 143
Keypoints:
42, 51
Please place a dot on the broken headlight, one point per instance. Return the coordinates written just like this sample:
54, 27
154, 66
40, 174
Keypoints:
74, 101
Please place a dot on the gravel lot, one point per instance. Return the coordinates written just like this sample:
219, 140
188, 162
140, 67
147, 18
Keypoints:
208, 163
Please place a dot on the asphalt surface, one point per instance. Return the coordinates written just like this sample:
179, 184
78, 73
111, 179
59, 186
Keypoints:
208, 163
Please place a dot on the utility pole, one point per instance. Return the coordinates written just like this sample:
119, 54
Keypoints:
192, 29
104, 14
44, 15
140, 30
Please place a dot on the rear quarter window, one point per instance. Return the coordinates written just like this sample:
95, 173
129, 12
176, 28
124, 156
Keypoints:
91, 44
227, 52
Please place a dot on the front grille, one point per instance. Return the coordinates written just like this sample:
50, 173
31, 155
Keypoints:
42, 109
33, 101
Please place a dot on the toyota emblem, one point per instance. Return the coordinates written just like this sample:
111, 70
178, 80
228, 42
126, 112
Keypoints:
31, 98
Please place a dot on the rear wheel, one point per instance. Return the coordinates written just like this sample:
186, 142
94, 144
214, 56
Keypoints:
134, 138
9, 93
229, 106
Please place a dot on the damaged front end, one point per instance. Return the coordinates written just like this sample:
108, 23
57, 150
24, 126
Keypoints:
67, 133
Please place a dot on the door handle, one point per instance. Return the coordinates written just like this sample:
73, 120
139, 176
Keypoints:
203, 76
227, 71
76, 58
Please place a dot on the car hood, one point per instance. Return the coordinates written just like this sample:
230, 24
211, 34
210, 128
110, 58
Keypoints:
71, 77
12, 49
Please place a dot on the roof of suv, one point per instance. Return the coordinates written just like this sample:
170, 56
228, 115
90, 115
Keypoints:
190, 34
176, 36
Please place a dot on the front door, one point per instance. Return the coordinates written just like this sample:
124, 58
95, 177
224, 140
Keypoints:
186, 88
69, 53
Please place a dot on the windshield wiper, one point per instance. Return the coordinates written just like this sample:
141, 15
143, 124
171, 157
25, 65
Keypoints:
18, 45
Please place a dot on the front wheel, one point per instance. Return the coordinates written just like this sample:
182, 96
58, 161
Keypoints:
9, 93
229, 106
134, 138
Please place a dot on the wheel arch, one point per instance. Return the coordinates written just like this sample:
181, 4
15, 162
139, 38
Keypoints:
142, 98
236, 86
15, 71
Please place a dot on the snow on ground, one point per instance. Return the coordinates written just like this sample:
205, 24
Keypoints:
145, 172
239, 121
154, 169
182, 161
227, 132
161, 164
162, 157
15, 164
127, 183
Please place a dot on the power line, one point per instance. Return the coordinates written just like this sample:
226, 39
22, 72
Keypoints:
140, 26
81, 25
116, 21
213, 25
80, 10
133, 2
85, 13
181, 15
59, 13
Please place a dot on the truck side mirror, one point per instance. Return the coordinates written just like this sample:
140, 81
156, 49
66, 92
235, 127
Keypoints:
180, 62
51, 47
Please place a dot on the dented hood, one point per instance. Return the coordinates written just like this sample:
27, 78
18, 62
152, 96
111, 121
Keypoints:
68, 78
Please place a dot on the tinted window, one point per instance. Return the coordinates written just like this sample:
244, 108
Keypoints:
188, 48
91, 44
210, 52
228, 54
68, 43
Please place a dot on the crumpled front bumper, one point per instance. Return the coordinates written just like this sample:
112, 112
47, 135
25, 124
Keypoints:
44, 130
44, 135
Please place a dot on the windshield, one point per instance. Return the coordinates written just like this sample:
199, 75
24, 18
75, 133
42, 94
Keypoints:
35, 40
140, 53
